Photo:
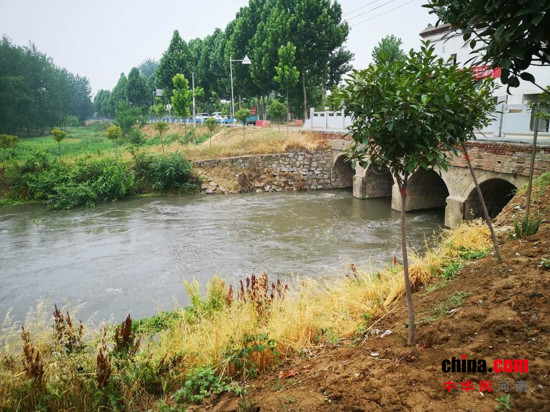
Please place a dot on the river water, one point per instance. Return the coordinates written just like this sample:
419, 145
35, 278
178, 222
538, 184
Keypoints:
133, 255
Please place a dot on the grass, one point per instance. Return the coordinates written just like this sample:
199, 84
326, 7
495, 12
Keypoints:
227, 336
440, 310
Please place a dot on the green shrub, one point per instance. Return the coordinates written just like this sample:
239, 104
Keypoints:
165, 173
135, 136
527, 227
200, 383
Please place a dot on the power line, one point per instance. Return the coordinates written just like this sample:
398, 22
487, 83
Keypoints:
362, 7
381, 14
368, 11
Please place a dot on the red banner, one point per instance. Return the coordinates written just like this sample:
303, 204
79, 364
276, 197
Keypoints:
482, 72
253, 111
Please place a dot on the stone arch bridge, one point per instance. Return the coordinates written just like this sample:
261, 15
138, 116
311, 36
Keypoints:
501, 168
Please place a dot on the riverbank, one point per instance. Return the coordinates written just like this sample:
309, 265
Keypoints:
260, 328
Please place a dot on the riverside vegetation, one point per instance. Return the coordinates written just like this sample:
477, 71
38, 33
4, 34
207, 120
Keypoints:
225, 338
85, 168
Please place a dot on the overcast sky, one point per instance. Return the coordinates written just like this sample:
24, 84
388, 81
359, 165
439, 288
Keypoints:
100, 39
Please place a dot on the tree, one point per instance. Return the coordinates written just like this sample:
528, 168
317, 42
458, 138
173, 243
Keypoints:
101, 104
277, 111
388, 49
287, 74
118, 94
211, 124
7, 141
114, 133
148, 67
512, 34
181, 95
174, 60
161, 127
241, 115
411, 115
58, 136
136, 89
127, 117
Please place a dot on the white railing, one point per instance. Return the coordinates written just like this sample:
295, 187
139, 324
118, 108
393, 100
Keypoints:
327, 121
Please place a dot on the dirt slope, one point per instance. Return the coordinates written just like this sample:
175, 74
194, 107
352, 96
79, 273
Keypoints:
488, 312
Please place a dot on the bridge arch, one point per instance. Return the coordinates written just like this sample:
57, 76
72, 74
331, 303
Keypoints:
342, 173
497, 192
425, 190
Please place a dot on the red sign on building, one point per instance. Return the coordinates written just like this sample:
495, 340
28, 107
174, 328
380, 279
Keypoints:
482, 72
253, 111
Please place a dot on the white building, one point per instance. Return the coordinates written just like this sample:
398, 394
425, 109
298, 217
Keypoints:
513, 117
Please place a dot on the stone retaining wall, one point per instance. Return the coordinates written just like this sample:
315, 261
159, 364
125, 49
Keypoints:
300, 170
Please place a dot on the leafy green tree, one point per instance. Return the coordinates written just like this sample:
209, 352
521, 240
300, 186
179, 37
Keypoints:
242, 115
277, 111
388, 49
159, 109
174, 60
58, 135
127, 117
181, 95
287, 74
512, 34
161, 127
148, 67
114, 133
136, 89
7, 141
211, 124
118, 95
101, 104
411, 115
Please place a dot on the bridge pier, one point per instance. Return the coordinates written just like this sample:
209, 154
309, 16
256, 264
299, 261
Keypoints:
372, 183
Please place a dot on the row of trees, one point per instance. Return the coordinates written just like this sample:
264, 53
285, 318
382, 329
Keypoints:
36, 95
296, 50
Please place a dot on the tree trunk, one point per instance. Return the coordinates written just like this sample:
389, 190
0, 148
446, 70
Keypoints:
408, 292
323, 100
287, 111
483, 205
531, 170
305, 95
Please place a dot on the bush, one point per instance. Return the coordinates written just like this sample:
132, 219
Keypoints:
527, 227
135, 136
163, 173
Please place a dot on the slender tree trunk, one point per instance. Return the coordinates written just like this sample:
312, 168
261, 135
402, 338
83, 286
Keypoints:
531, 170
58, 148
483, 205
408, 292
287, 111
244, 137
305, 95
323, 100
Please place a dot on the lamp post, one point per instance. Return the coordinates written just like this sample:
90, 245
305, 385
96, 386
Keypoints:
246, 60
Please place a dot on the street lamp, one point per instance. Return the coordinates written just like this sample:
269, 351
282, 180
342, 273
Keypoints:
246, 60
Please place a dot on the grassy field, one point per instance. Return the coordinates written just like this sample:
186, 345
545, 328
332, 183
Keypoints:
200, 143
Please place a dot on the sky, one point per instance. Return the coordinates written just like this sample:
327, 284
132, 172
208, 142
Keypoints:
100, 39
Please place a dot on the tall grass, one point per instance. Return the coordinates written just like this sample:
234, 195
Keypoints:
235, 332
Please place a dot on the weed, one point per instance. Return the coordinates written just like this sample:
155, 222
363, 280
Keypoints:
32, 361
451, 270
65, 333
503, 403
527, 227
470, 254
126, 344
258, 291
199, 384
157, 323
544, 263
250, 356
443, 307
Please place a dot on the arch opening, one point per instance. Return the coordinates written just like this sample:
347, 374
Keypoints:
496, 192
426, 190
342, 173
379, 182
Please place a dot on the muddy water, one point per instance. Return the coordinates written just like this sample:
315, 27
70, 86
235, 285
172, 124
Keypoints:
132, 256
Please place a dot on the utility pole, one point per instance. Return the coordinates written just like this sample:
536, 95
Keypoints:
193, 86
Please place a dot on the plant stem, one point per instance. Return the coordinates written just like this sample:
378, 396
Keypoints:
532, 169
483, 205
408, 293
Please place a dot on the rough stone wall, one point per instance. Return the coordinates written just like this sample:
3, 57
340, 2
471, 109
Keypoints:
314, 167
505, 158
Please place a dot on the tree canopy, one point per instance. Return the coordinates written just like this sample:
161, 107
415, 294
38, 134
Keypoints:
510, 34
388, 49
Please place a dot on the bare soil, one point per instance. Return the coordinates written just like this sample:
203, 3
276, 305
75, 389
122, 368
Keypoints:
489, 311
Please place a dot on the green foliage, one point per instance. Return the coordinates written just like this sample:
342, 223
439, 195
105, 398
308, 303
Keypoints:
7, 141
160, 127
58, 135
127, 117
211, 124
442, 308
388, 49
242, 114
527, 227
276, 110
544, 263
113, 133
451, 269
136, 89
242, 356
514, 37
136, 137
174, 60
200, 383
181, 95
504, 403
35, 94
165, 173
287, 74
157, 323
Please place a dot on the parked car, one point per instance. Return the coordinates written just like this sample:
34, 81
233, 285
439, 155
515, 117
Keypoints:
201, 117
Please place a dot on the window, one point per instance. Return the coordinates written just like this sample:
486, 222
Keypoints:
543, 123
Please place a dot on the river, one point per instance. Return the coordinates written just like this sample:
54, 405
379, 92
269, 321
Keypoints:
133, 255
